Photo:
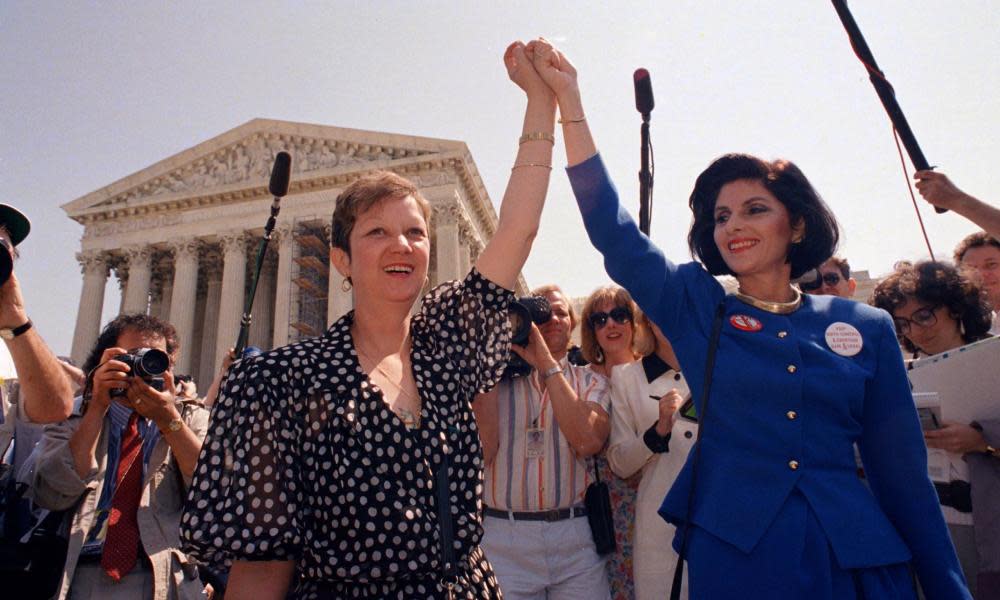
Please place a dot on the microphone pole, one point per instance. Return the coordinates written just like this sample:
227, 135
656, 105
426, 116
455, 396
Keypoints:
883, 88
644, 104
280, 175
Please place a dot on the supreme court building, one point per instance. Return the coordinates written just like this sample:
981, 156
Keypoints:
181, 236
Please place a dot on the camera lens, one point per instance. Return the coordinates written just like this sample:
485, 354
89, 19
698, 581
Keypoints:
151, 362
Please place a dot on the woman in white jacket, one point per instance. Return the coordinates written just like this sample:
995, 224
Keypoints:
648, 435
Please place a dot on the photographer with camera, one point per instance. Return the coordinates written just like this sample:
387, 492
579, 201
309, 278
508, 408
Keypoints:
124, 460
538, 429
46, 395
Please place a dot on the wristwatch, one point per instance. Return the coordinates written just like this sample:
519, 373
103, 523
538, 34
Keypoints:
551, 371
9, 334
175, 425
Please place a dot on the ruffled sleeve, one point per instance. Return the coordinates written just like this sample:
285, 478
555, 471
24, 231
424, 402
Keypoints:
466, 322
245, 500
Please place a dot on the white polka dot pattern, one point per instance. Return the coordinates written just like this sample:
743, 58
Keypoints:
304, 461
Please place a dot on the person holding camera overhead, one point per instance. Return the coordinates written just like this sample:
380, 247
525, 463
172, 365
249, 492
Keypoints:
124, 460
538, 431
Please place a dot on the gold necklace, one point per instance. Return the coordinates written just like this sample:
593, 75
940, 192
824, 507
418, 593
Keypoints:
778, 308
408, 417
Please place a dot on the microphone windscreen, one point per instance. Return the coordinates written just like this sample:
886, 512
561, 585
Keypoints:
643, 91
281, 173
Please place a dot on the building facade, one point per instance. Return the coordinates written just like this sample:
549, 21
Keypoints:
182, 236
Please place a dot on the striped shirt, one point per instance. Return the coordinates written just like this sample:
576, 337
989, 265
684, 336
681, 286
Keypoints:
557, 478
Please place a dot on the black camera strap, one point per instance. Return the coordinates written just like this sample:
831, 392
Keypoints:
713, 344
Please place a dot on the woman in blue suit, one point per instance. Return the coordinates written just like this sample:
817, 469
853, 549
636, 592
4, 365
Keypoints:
778, 510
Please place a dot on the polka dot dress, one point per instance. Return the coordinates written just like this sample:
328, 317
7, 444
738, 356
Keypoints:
304, 461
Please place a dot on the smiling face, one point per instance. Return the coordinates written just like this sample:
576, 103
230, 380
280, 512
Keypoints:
932, 329
613, 337
984, 263
390, 250
752, 229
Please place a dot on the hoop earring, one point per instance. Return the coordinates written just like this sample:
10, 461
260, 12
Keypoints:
427, 280
346, 284
600, 355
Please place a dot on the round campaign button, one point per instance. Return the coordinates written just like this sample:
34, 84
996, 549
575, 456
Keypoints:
745, 323
843, 338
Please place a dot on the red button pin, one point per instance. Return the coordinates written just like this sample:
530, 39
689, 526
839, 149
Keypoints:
745, 323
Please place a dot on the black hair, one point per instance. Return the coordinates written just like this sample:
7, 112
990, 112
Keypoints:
139, 322
789, 185
936, 283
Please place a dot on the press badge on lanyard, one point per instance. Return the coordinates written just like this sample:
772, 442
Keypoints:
535, 446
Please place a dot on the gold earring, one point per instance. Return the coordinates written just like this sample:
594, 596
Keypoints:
346, 284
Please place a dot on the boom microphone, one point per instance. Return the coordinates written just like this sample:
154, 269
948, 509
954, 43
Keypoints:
643, 92
281, 173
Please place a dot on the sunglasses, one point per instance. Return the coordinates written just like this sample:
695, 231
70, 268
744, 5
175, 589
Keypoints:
830, 279
923, 317
620, 314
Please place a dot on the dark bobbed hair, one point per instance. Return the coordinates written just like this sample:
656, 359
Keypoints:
145, 324
936, 283
788, 184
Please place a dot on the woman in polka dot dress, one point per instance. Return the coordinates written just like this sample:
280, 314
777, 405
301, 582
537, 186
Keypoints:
319, 477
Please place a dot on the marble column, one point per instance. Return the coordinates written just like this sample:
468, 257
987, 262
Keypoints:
283, 284
139, 274
464, 259
338, 301
446, 225
262, 326
182, 299
210, 323
121, 273
233, 295
88, 317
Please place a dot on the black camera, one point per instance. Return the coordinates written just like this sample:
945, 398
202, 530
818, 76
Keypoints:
148, 363
522, 313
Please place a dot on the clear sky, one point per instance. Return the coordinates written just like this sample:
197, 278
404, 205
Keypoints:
93, 92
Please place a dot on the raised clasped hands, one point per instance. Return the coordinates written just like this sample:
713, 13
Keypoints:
521, 71
553, 67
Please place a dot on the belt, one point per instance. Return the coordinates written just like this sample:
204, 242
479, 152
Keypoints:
956, 494
556, 514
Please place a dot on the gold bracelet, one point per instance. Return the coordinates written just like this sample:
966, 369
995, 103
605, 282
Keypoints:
531, 164
538, 135
563, 121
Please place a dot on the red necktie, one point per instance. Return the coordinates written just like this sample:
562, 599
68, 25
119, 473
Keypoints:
121, 545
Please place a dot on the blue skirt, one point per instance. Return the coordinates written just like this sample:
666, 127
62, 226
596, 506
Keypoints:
793, 560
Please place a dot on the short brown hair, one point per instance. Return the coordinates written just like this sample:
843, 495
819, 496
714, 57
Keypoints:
365, 193
974, 240
842, 265
619, 296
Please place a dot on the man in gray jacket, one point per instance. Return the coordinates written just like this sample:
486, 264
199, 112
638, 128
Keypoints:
124, 460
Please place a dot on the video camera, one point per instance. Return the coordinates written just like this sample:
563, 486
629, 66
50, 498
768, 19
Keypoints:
148, 363
522, 313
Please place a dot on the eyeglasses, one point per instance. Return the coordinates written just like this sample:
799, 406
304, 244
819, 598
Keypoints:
923, 317
620, 314
830, 279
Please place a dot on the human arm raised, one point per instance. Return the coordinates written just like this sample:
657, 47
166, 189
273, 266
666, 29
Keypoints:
585, 424
521, 209
46, 391
938, 190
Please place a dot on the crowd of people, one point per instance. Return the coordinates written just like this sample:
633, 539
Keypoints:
705, 442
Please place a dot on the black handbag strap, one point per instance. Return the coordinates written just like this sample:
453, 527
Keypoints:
713, 344
441, 482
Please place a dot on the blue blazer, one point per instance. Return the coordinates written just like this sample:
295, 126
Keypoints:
785, 410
